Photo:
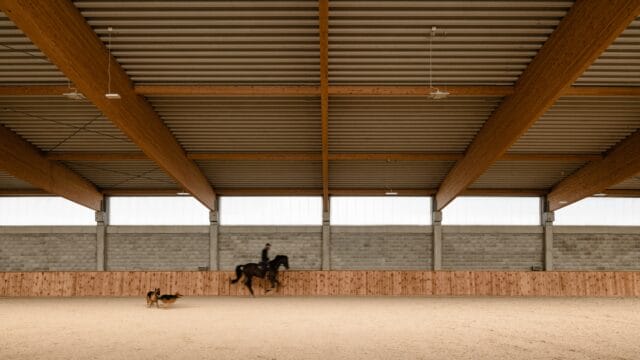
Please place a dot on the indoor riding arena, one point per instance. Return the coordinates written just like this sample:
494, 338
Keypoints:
326, 179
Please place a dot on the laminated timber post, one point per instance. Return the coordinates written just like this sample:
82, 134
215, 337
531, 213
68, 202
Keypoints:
583, 34
59, 30
323, 20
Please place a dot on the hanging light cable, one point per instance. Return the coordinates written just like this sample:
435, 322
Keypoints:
434, 93
109, 95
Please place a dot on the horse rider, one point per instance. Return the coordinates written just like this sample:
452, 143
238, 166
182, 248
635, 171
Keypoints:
264, 261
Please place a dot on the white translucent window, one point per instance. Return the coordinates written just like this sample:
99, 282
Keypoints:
492, 211
168, 210
270, 210
379, 210
43, 211
600, 211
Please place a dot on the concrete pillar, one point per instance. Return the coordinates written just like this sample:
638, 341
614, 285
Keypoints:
101, 233
547, 222
214, 257
437, 240
326, 241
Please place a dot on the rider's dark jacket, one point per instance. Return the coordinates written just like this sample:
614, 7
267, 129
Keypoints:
265, 255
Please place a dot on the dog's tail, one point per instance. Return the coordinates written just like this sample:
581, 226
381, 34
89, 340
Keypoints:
239, 269
178, 295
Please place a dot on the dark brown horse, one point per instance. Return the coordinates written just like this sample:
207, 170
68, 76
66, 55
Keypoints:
252, 269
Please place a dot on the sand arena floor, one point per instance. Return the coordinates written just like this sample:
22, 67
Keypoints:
321, 328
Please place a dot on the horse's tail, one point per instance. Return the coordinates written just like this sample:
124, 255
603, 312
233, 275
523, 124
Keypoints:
239, 269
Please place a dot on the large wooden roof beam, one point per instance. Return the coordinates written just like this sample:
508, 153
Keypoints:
583, 34
312, 90
315, 156
621, 163
25, 162
63, 35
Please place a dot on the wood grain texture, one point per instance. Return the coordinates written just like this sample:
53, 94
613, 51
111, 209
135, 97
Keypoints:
621, 163
326, 283
24, 161
312, 90
583, 34
315, 156
59, 30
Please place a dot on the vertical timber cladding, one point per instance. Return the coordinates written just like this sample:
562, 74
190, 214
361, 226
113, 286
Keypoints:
326, 283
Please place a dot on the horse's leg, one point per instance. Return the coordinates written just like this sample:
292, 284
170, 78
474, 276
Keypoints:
247, 283
273, 279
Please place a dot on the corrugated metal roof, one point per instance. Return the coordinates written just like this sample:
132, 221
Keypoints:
525, 174
387, 174
395, 124
262, 174
237, 124
619, 65
582, 125
61, 124
123, 174
631, 183
8, 181
21, 62
476, 42
256, 42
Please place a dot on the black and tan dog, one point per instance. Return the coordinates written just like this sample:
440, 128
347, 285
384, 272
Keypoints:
168, 299
152, 297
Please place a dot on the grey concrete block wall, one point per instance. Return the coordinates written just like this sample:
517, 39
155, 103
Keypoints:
596, 249
154, 248
381, 247
243, 244
48, 249
492, 248
366, 247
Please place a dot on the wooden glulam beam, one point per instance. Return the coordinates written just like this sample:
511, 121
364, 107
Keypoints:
323, 20
223, 90
308, 156
620, 163
403, 90
583, 34
311, 90
24, 192
318, 192
25, 162
367, 90
34, 90
59, 30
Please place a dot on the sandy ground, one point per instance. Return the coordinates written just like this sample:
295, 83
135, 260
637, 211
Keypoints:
320, 328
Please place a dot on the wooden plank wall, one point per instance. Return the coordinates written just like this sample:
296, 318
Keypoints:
326, 283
